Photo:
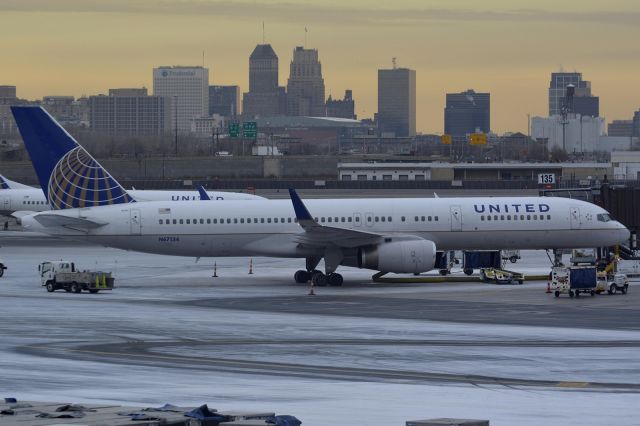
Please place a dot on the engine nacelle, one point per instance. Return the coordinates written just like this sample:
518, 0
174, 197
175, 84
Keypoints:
412, 256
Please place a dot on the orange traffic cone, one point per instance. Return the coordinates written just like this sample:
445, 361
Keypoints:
215, 270
250, 266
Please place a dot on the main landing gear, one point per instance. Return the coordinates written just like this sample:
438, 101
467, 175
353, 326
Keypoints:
318, 278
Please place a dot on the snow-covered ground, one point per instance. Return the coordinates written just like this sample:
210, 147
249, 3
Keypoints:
41, 334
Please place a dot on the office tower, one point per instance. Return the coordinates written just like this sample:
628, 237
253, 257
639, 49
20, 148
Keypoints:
264, 98
467, 112
224, 100
397, 102
8, 92
188, 87
584, 103
636, 124
620, 128
342, 108
305, 88
131, 112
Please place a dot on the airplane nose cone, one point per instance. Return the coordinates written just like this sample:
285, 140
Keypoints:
623, 233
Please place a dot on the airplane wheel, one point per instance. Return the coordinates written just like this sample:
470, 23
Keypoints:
335, 279
301, 276
319, 279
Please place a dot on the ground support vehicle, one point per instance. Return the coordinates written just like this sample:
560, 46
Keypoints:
55, 275
480, 259
612, 284
511, 255
574, 280
500, 276
583, 256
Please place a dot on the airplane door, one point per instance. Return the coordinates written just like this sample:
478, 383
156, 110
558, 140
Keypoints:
456, 218
357, 219
576, 222
136, 221
368, 219
5, 203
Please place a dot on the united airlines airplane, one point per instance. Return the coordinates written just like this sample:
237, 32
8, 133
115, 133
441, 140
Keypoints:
16, 197
388, 235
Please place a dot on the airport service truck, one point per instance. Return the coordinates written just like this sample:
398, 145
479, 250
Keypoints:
63, 274
574, 280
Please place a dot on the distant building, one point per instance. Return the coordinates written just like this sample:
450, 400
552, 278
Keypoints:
576, 134
305, 88
620, 128
397, 102
264, 98
584, 103
342, 108
188, 87
205, 126
127, 91
224, 100
467, 112
8, 92
131, 115
636, 124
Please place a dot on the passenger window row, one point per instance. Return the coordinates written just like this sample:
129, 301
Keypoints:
222, 221
496, 217
34, 202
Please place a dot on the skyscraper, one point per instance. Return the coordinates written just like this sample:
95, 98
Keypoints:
583, 103
224, 100
467, 112
188, 87
342, 108
305, 88
264, 98
636, 124
397, 101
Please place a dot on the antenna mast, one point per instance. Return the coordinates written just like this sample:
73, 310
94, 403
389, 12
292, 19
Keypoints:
262, 32
393, 61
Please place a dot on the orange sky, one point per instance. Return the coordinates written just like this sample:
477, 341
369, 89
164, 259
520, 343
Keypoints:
508, 48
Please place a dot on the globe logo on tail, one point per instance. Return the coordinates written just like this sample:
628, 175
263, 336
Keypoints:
78, 180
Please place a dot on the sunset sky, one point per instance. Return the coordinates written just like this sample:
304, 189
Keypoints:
505, 47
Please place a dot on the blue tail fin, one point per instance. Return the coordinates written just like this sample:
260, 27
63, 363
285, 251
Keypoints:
203, 193
70, 177
3, 183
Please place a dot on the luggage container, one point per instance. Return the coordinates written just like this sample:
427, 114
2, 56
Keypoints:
574, 280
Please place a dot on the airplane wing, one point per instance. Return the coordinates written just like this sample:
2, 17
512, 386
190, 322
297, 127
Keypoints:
203, 193
56, 220
317, 235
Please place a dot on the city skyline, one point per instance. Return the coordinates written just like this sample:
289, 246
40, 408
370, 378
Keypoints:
55, 49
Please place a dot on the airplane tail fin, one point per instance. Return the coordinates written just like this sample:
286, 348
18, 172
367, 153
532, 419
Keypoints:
203, 193
9, 184
70, 177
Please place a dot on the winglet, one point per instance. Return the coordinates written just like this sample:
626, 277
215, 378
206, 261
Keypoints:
203, 193
301, 210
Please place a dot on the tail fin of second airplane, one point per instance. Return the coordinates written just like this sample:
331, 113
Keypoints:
203, 193
9, 184
70, 177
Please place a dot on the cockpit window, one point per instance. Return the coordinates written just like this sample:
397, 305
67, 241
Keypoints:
604, 217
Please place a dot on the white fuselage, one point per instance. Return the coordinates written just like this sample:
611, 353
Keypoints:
269, 227
33, 199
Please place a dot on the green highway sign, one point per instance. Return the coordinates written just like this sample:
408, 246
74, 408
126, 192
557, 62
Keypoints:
250, 129
234, 130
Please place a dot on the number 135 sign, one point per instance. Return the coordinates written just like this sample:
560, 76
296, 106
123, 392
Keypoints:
545, 178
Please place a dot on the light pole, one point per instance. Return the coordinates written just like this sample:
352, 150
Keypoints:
175, 125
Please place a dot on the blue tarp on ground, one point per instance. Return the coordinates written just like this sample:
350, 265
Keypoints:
284, 420
203, 413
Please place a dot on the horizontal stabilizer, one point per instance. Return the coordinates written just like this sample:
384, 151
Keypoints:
51, 220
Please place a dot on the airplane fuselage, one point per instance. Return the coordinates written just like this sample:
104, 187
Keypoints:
269, 227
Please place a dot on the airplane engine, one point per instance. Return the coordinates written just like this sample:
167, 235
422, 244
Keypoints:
411, 256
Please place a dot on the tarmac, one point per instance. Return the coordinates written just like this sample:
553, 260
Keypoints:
370, 353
